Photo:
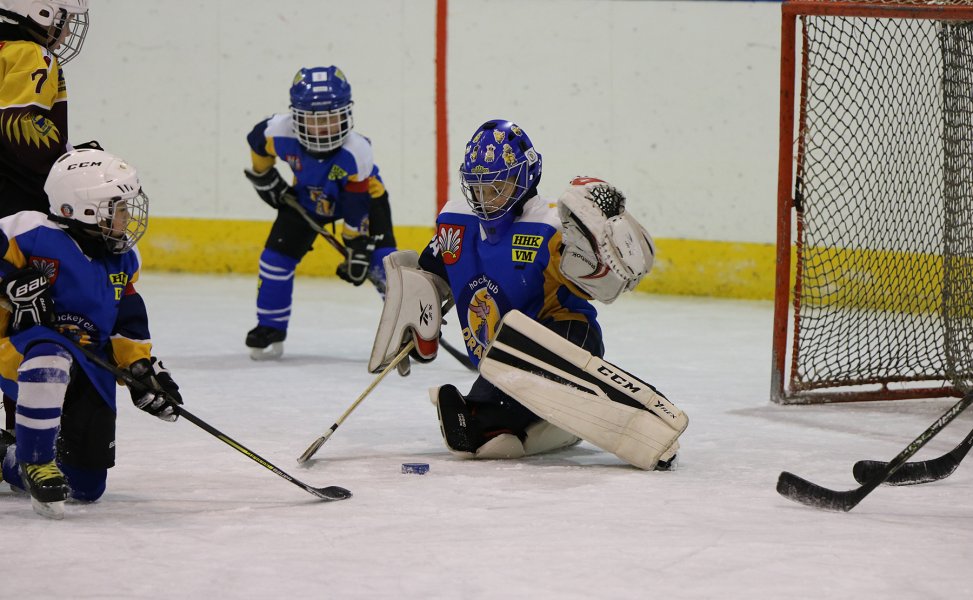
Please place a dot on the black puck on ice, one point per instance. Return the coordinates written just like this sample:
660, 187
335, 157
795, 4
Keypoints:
415, 468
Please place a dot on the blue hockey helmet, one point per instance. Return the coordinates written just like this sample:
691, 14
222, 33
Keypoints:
321, 108
500, 170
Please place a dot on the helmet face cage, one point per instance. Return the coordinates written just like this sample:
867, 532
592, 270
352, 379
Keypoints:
122, 221
59, 25
66, 35
499, 167
322, 131
321, 108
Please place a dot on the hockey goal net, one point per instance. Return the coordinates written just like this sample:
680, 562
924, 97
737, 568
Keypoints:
874, 285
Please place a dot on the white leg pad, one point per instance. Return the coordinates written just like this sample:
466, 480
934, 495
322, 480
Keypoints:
582, 394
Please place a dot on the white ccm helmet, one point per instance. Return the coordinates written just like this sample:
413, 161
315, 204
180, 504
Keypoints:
97, 195
58, 25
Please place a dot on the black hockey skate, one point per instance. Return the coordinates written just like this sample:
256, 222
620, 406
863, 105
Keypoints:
266, 343
7, 440
47, 486
456, 421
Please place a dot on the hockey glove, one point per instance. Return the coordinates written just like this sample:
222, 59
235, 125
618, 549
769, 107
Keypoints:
270, 186
358, 258
29, 291
159, 394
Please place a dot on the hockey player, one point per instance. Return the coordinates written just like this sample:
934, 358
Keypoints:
37, 38
522, 271
335, 178
68, 279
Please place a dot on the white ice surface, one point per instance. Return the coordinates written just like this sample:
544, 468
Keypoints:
186, 516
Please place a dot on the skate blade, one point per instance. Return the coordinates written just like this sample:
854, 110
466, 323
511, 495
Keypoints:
50, 510
271, 352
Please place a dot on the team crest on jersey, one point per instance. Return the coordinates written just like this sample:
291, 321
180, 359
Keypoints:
450, 240
483, 318
48, 266
525, 247
294, 162
322, 206
337, 173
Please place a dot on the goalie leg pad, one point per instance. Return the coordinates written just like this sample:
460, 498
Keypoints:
582, 394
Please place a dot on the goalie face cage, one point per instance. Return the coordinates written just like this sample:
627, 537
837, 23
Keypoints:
878, 192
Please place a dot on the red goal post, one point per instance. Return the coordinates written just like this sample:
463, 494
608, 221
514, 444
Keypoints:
874, 281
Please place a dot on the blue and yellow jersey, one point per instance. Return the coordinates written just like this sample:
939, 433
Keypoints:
33, 123
519, 272
338, 185
94, 298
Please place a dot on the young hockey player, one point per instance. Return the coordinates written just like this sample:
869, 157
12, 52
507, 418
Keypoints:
37, 38
67, 278
521, 271
335, 178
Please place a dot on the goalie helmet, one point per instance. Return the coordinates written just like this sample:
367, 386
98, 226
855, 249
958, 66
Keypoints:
321, 108
501, 169
96, 196
58, 25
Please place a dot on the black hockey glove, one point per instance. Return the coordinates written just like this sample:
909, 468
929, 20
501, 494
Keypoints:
29, 292
270, 186
160, 396
358, 257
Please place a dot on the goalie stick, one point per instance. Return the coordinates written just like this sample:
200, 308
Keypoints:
316, 444
335, 243
801, 490
328, 494
920, 471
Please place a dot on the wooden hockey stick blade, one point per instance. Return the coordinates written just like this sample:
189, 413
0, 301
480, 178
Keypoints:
920, 471
803, 491
316, 444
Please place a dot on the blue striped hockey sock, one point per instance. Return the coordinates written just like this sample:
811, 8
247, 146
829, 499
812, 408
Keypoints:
276, 289
42, 381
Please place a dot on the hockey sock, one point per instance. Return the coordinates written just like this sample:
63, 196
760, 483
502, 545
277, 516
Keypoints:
276, 289
42, 380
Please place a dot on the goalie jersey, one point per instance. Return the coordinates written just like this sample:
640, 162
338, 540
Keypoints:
519, 272
94, 298
33, 121
332, 186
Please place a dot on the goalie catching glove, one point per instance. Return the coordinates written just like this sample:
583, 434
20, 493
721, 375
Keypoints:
413, 311
606, 251
158, 395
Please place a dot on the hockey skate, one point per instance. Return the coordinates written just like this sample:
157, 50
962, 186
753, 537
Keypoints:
7, 440
47, 486
266, 343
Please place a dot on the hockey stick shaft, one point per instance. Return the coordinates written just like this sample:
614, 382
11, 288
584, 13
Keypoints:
801, 490
328, 493
316, 444
921, 471
335, 243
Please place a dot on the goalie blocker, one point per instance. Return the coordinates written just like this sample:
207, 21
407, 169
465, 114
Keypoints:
582, 394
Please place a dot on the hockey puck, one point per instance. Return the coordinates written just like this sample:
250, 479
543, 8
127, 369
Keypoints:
415, 468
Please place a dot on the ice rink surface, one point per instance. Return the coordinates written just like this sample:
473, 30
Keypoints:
186, 516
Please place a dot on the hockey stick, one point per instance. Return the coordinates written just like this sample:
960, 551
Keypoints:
335, 243
920, 471
801, 490
316, 444
328, 494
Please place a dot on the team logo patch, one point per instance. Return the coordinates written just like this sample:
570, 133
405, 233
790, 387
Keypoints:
294, 162
322, 206
450, 240
48, 266
525, 247
337, 173
483, 317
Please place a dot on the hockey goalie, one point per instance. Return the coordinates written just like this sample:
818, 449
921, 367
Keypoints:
522, 272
